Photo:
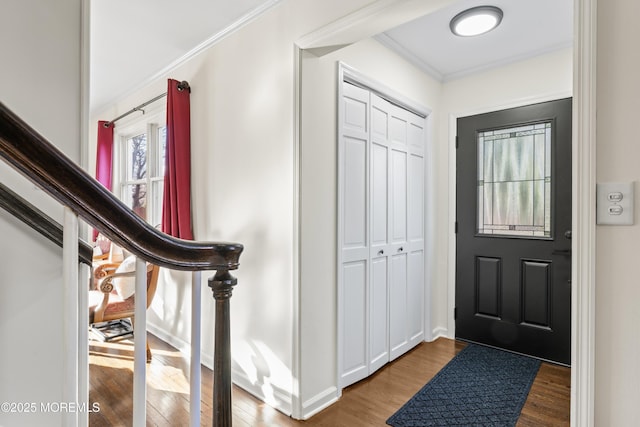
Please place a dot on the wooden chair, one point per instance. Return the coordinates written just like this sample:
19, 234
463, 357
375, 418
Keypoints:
106, 302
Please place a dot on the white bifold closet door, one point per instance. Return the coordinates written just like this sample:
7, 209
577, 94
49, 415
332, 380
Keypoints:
380, 232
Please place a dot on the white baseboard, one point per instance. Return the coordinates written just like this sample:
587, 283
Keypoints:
319, 402
440, 332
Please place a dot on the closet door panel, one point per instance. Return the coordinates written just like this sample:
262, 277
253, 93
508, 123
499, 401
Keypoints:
398, 335
355, 110
415, 297
354, 319
379, 332
416, 231
353, 238
416, 134
379, 119
416, 198
379, 196
355, 190
398, 196
398, 133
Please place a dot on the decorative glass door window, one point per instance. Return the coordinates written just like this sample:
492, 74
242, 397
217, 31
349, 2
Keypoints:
514, 181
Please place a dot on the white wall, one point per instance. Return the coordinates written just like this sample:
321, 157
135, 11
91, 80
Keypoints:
40, 46
242, 117
617, 372
537, 79
318, 200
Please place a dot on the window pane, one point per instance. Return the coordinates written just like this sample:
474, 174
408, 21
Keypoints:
514, 181
512, 159
136, 157
162, 147
136, 198
156, 194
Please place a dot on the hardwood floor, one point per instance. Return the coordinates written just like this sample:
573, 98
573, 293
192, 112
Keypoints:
367, 403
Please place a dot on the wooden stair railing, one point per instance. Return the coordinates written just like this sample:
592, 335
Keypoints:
41, 162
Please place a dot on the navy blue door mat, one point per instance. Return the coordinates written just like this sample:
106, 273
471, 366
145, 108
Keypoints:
481, 386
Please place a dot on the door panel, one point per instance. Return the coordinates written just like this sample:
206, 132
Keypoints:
513, 202
398, 339
354, 237
354, 363
536, 286
379, 320
398, 196
355, 112
488, 286
355, 209
416, 134
379, 281
379, 194
398, 126
415, 297
379, 121
416, 230
416, 197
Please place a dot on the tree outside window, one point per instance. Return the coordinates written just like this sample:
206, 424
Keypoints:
142, 180
137, 154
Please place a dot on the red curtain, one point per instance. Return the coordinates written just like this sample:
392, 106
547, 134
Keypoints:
176, 204
104, 157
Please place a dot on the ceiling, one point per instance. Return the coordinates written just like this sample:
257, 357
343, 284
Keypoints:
130, 45
528, 28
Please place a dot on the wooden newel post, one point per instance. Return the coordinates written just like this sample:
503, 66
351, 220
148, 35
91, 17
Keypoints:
221, 285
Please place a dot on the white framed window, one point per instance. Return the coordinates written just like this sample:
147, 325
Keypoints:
139, 164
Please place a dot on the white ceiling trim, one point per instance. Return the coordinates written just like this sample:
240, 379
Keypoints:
392, 44
507, 61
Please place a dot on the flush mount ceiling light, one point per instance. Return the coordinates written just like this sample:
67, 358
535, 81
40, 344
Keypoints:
475, 21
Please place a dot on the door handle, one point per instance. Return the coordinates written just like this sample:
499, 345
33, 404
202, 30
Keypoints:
567, 234
400, 249
381, 252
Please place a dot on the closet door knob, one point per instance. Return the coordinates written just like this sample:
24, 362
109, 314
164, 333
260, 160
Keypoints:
400, 249
381, 252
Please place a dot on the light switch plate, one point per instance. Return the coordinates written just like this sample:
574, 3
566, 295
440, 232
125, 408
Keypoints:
615, 201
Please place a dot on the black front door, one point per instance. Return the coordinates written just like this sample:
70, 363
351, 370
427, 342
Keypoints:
513, 260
